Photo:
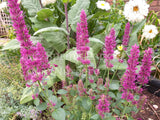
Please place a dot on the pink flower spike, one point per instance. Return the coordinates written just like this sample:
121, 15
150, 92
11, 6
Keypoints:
82, 39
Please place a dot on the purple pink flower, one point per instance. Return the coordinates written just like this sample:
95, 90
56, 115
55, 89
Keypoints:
145, 69
82, 39
128, 80
33, 57
103, 106
126, 36
110, 44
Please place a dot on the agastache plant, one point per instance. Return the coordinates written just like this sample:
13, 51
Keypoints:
145, 69
110, 44
126, 36
128, 80
33, 57
103, 105
82, 39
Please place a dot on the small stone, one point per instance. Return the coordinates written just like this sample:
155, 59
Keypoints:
155, 106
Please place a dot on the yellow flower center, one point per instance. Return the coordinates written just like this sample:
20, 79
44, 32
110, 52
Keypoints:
150, 31
120, 47
135, 8
102, 4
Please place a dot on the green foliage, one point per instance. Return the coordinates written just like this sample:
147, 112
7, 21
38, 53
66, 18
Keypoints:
33, 6
44, 13
74, 12
59, 114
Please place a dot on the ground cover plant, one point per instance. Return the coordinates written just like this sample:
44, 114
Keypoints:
83, 59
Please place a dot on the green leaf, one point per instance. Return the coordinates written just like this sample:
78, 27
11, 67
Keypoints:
95, 40
62, 91
137, 27
13, 44
42, 106
86, 103
72, 56
44, 13
60, 70
56, 39
95, 117
27, 95
36, 101
37, 24
116, 65
133, 38
111, 94
59, 114
50, 29
74, 12
53, 98
33, 6
116, 111
117, 28
114, 85
96, 45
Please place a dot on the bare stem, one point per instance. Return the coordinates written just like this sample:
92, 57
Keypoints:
67, 27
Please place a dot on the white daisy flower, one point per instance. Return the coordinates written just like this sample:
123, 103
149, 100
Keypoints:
116, 54
46, 2
103, 5
3, 5
150, 31
136, 10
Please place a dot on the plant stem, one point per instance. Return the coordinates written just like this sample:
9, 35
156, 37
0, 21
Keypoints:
41, 3
44, 93
86, 84
114, 73
124, 110
66, 15
104, 73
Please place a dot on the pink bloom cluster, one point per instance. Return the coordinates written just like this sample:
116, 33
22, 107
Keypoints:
110, 44
33, 57
81, 88
68, 72
103, 106
128, 81
126, 36
82, 39
145, 69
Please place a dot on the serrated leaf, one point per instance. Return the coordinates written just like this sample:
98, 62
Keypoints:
33, 6
59, 114
50, 29
42, 106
